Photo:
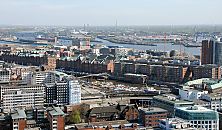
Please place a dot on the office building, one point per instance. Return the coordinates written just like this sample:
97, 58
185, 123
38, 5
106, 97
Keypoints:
199, 117
211, 52
24, 96
57, 93
207, 52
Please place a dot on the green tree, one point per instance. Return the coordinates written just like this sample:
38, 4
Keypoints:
75, 117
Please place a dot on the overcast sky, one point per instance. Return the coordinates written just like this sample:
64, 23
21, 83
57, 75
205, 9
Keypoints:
106, 12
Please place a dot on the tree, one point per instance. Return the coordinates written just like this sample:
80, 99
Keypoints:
75, 117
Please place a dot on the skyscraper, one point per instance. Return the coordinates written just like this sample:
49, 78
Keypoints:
218, 53
207, 52
211, 52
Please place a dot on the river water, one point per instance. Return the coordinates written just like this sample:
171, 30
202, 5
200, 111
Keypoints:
3, 42
160, 47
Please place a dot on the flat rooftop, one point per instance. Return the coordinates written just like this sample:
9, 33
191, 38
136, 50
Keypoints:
153, 110
20, 113
104, 123
176, 101
195, 109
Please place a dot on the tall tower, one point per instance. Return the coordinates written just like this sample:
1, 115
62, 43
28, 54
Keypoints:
207, 52
56, 40
116, 27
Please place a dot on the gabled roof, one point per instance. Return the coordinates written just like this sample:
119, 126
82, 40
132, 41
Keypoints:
103, 111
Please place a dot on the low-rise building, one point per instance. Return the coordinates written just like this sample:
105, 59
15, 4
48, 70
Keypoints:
175, 124
169, 103
129, 112
205, 84
214, 100
150, 117
104, 125
107, 113
19, 119
190, 94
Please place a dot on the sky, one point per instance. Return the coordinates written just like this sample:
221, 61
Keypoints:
107, 12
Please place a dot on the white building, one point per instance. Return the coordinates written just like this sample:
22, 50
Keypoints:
45, 77
175, 123
25, 96
199, 117
74, 92
39, 77
191, 94
214, 100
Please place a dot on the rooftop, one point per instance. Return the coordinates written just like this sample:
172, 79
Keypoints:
20, 113
173, 101
211, 83
195, 109
104, 124
196, 113
56, 111
59, 73
215, 95
153, 110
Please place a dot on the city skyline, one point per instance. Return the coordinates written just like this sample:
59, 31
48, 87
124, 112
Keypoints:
102, 13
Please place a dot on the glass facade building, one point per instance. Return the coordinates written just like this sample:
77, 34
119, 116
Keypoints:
199, 117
